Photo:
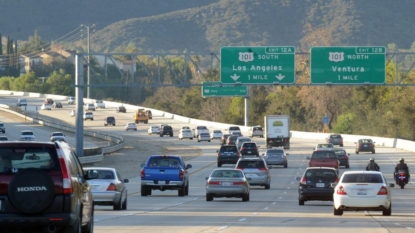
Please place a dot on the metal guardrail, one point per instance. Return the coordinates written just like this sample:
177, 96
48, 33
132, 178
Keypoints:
91, 155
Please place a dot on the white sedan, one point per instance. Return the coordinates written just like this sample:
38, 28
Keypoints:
46, 107
185, 133
216, 134
362, 190
130, 126
153, 130
203, 137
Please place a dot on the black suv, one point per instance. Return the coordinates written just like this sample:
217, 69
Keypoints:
315, 184
166, 130
43, 187
227, 154
2, 128
109, 121
249, 148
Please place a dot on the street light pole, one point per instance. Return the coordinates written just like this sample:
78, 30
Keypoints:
88, 48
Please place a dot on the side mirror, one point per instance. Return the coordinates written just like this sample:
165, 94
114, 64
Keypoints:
143, 164
248, 178
188, 166
287, 154
333, 185
126, 180
308, 158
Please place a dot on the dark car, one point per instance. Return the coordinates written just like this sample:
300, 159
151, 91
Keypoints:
315, 184
335, 139
109, 121
343, 157
249, 148
228, 154
224, 138
48, 101
2, 127
120, 109
324, 158
365, 145
231, 140
44, 187
149, 114
276, 157
166, 130
57, 105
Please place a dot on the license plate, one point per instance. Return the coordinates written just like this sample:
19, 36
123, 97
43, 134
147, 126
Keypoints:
320, 185
251, 175
162, 182
364, 145
361, 192
249, 152
226, 183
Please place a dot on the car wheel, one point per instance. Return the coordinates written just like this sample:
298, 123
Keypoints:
267, 186
387, 212
285, 165
171, 135
135, 129
181, 191
341, 145
300, 202
357, 152
186, 190
124, 204
373, 151
209, 141
337, 212
198, 140
92, 119
148, 191
245, 197
209, 197
219, 165
118, 205
347, 165
89, 228
143, 191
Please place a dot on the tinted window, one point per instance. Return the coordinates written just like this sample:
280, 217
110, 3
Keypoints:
228, 149
335, 136
105, 174
31, 157
201, 127
362, 178
234, 128
233, 138
249, 144
1, 124
227, 173
251, 164
167, 128
164, 162
340, 152
27, 133
320, 173
324, 155
257, 128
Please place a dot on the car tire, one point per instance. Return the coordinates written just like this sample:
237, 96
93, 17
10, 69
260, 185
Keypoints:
161, 135
198, 140
181, 191
92, 119
89, 228
105, 124
118, 205
357, 152
387, 212
124, 204
186, 190
267, 186
341, 145
285, 165
347, 165
245, 197
209, 141
143, 191
149, 191
209, 197
300, 202
219, 165
135, 129
336, 211
373, 151
171, 135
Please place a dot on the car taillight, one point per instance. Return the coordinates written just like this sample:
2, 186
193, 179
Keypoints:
372, 145
66, 181
263, 169
383, 191
303, 180
242, 149
337, 180
238, 183
181, 174
360, 145
218, 154
112, 187
341, 191
214, 182
239, 154
143, 173
344, 156
240, 168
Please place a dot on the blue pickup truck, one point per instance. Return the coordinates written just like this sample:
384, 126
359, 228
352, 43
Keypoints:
165, 172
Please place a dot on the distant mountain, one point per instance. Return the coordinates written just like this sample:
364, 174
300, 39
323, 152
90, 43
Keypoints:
203, 26
264, 22
53, 19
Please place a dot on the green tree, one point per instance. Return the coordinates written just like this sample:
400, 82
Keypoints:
344, 124
33, 45
1, 45
60, 83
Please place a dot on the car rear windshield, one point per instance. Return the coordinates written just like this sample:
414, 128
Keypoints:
257, 128
14, 159
340, 152
1, 124
167, 128
27, 133
249, 145
366, 141
110, 118
251, 164
335, 136
320, 174
362, 178
227, 173
105, 175
164, 162
324, 155
234, 128
228, 149
201, 127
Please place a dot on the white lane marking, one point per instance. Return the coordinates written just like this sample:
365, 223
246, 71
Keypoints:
297, 173
292, 182
266, 208
179, 204
397, 224
408, 227
274, 203
285, 192
242, 219
195, 199
288, 187
255, 213
222, 228
280, 198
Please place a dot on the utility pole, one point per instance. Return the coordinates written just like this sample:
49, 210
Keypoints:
88, 58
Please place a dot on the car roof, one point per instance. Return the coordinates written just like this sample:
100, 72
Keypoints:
319, 168
251, 158
362, 172
99, 168
26, 130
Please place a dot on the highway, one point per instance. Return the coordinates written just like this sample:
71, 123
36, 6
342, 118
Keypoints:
270, 210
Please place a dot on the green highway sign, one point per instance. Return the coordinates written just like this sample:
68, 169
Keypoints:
257, 65
348, 65
216, 89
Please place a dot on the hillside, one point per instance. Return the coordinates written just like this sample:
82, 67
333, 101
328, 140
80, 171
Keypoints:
263, 22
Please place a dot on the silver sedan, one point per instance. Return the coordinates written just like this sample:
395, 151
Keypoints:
276, 157
227, 182
108, 188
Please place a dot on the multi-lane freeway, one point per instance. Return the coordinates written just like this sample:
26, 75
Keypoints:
273, 210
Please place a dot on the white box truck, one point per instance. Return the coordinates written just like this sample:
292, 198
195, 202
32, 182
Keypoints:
277, 131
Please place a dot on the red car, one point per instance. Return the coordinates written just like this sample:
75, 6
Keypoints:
324, 158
